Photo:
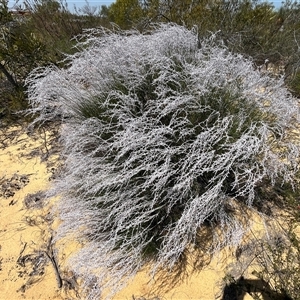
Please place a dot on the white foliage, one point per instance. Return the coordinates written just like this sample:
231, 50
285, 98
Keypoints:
158, 135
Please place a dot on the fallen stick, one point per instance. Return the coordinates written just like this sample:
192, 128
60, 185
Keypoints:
49, 253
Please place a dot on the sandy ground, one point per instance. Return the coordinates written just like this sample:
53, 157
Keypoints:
32, 267
27, 260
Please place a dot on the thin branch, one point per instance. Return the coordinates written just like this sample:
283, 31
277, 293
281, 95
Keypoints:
8, 76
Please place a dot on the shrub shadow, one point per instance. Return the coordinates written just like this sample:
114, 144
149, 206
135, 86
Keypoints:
237, 290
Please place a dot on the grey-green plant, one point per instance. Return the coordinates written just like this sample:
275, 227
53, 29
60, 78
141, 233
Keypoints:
163, 135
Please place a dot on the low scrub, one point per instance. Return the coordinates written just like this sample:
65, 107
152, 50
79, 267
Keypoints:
162, 133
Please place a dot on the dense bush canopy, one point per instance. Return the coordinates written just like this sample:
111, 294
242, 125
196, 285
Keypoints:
160, 132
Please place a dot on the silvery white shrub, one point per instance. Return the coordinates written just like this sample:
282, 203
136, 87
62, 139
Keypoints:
159, 136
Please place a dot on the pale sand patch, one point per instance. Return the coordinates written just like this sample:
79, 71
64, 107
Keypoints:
27, 163
25, 270
204, 282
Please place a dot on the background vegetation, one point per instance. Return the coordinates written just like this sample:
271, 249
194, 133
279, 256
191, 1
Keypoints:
40, 32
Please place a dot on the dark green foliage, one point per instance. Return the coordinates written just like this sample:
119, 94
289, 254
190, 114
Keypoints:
20, 52
36, 36
294, 84
251, 27
56, 26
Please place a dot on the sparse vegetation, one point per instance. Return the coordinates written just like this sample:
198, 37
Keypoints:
272, 259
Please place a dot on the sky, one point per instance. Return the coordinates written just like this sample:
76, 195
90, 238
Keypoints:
80, 3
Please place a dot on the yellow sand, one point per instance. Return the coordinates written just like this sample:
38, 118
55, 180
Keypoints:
25, 234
